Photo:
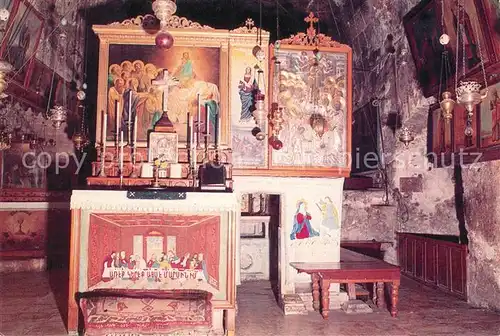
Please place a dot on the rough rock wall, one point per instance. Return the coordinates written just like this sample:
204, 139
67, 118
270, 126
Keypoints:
428, 207
482, 204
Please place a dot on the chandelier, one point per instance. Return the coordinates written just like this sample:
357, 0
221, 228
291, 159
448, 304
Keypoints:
468, 92
164, 9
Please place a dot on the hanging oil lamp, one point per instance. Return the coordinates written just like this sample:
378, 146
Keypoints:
447, 104
469, 95
406, 136
260, 116
58, 116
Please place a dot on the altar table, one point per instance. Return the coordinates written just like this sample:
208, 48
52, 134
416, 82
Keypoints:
155, 241
353, 268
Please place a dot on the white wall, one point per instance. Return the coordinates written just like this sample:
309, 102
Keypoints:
325, 247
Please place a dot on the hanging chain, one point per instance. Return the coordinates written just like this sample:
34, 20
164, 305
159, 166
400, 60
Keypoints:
441, 74
442, 15
481, 59
462, 33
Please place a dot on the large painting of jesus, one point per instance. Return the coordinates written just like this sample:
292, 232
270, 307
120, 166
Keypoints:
133, 71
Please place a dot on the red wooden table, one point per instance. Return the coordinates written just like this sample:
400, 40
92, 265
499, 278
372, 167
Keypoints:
353, 268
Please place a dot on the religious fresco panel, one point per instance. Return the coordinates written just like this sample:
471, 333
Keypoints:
248, 152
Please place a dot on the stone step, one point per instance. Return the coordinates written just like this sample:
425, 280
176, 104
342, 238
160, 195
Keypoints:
293, 305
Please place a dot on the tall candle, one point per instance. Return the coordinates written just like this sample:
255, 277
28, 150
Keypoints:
188, 130
191, 129
104, 127
135, 130
207, 120
117, 112
199, 111
216, 129
121, 153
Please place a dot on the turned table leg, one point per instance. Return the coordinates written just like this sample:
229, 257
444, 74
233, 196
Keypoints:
325, 298
394, 298
380, 295
315, 286
351, 291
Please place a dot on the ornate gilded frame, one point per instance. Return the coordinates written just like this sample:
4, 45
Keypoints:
311, 42
186, 33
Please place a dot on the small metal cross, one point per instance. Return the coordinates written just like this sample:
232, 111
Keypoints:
249, 24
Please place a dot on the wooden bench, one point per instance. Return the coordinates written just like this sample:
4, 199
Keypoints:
142, 313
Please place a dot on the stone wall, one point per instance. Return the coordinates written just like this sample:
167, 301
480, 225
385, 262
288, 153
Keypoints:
431, 206
482, 204
427, 204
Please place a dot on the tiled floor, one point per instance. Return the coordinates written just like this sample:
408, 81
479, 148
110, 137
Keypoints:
28, 307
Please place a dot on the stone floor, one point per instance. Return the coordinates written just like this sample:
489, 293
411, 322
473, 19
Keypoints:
29, 307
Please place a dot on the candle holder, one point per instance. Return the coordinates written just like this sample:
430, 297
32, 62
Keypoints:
102, 173
134, 173
156, 181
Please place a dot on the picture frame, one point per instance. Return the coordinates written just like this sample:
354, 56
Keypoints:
163, 146
11, 6
489, 118
423, 29
316, 135
198, 61
22, 39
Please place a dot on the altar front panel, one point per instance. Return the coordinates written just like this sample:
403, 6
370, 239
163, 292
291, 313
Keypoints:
156, 251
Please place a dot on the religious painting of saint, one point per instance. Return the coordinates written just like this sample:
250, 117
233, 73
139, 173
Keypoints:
330, 214
426, 22
490, 117
163, 147
22, 39
313, 91
423, 29
248, 152
144, 80
302, 227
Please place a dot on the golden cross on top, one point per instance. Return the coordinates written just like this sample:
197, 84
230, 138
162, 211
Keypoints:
249, 24
311, 19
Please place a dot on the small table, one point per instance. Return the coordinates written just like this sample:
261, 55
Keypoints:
353, 268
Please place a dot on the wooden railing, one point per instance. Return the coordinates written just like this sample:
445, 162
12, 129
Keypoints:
438, 261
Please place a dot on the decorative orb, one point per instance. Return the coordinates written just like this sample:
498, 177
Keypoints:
260, 136
444, 39
256, 130
255, 50
277, 144
164, 40
261, 55
4, 14
80, 95
277, 45
64, 21
84, 86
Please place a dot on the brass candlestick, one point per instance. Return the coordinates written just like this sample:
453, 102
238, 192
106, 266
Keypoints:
156, 182
102, 173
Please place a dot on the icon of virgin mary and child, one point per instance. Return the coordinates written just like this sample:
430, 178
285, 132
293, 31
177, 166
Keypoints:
302, 228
